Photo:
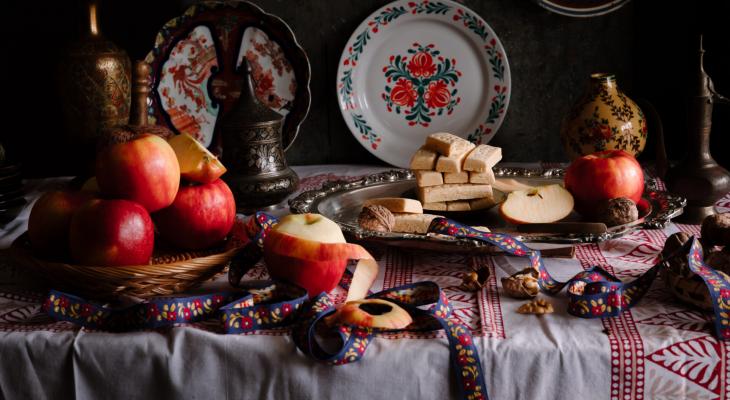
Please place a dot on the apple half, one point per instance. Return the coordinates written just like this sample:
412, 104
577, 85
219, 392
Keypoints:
309, 250
541, 204
371, 313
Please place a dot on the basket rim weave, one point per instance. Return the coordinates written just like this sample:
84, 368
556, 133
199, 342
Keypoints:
110, 282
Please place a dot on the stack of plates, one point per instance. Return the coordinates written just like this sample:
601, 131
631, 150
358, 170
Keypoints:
11, 192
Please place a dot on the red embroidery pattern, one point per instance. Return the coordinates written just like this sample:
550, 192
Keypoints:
627, 347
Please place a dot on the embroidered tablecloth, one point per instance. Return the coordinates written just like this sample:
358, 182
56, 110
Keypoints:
660, 349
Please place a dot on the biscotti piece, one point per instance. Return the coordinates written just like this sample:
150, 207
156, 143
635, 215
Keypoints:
413, 223
440, 206
480, 204
450, 164
459, 205
447, 144
456, 177
482, 158
453, 192
397, 204
423, 159
486, 177
429, 178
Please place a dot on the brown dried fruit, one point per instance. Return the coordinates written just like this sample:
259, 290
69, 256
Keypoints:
618, 211
521, 285
715, 230
376, 218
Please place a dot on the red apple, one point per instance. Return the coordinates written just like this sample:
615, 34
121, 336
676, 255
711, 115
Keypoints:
111, 232
309, 250
200, 216
603, 176
143, 169
50, 219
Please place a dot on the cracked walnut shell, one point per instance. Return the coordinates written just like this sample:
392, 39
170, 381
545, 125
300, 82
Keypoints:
522, 285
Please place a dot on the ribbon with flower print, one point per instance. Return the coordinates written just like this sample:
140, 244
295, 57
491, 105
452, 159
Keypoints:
595, 293
267, 305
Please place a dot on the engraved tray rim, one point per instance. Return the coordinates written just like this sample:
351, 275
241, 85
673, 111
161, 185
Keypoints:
665, 206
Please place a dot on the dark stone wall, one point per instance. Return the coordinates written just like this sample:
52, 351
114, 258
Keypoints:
550, 56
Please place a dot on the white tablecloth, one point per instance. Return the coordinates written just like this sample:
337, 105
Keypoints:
658, 350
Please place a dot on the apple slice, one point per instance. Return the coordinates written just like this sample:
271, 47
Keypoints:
371, 313
541, 204
197, 164
309, 250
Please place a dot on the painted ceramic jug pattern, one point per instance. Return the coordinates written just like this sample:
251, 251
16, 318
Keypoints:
603, 119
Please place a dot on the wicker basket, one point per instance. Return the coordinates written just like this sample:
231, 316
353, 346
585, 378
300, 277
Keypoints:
168, 273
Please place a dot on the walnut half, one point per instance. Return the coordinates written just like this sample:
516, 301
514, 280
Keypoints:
537, 306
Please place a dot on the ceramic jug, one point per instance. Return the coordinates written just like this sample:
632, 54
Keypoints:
604, 118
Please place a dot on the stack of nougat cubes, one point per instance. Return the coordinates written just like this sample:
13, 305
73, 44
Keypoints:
453, 174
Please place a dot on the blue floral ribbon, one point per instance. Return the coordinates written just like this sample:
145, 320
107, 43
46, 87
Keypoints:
270, 305
595, 293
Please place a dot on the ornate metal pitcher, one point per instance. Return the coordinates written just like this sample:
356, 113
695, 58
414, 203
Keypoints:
253, 152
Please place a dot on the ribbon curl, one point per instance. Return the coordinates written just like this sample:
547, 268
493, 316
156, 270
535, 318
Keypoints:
595, 293
271, 305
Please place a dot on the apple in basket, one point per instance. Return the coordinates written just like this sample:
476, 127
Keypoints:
309, 250
139, 167
601, 176
50, 220
200, 216
111, 233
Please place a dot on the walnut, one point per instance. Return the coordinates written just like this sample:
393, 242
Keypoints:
716, 230
521, 285
537, 306
676, 261
618, 211
474, 280
376, 218
719, 259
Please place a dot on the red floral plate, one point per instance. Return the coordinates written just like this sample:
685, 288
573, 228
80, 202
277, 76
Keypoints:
195, 68
415, 68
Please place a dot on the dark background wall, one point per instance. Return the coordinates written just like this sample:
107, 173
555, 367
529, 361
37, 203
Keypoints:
550, 56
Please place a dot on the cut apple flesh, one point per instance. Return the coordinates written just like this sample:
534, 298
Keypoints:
310, 251
541, 204
197, 164
372, 313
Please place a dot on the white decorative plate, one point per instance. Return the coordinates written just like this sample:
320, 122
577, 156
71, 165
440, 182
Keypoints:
582, 8
415, 68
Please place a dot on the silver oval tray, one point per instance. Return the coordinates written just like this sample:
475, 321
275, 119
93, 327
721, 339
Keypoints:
341, 201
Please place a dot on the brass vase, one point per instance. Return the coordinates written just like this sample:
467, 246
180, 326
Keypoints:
604, 118
94, 80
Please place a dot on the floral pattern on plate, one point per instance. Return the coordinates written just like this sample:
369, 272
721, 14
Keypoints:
396, 56
422, 88
183, 80
273, 75
232, 30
